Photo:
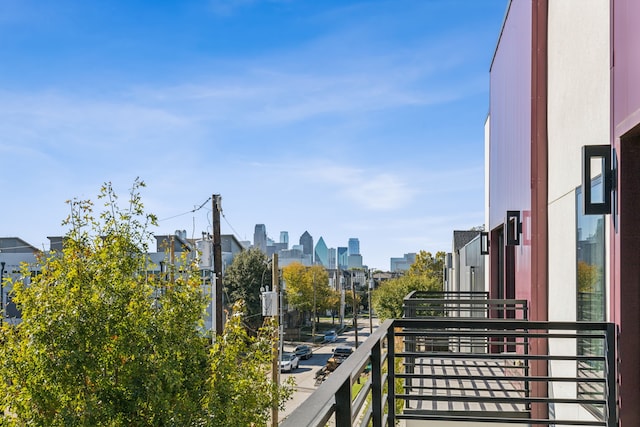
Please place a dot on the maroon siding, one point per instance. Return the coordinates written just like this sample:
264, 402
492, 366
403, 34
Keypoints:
625, 241
510, 132
626, 66
518, 166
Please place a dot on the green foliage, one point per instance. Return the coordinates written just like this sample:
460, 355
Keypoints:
243, 394
428, 265
425, 274
306, 284
588, 276
243, 278
104, 343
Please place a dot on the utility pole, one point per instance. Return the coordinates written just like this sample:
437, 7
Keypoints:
217, 262
340, 279
355, 307
2, 264
313, 323
275, 352
370, 310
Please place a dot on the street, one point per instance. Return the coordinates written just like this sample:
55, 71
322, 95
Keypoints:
305, 374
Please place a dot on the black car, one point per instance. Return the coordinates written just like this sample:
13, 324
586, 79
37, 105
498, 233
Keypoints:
304, 351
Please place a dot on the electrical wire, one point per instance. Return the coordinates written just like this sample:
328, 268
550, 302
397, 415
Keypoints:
235, 233
188, 212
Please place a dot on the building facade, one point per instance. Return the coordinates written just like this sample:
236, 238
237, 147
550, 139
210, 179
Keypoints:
306, 241
321, 253
563, 120
398, 265
333, 259
343, 257
465, 265
260, 237
354, 246
284, 238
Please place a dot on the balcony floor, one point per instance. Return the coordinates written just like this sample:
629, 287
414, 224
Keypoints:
464, 387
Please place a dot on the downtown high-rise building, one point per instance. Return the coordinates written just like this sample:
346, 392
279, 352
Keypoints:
354, 246
333, 258
307, 243
284, 238
260, 237
343, 257
321, 254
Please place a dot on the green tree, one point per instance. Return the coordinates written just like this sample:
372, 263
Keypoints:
243, 279
242, 394
428, 265
425, 274
327, 298
588, 276
103, 342
308, 290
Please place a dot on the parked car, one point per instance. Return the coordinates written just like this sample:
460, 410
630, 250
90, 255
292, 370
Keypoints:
342, 352
304, 351
289, 362
339, 355
330, 336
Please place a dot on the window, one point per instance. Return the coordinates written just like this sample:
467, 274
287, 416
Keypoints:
590, 292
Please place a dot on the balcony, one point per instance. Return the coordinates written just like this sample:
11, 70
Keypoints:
454, 364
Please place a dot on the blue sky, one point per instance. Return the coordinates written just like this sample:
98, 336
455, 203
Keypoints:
344, 118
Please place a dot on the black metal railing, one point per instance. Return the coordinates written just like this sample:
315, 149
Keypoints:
412, 381
465, 304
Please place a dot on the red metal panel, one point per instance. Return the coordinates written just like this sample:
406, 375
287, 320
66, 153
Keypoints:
510, 125
626, 66
510, 133
625, 238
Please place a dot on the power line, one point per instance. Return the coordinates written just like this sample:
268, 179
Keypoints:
188, 212
235, 233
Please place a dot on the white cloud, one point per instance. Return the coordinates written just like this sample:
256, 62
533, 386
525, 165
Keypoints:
365, 188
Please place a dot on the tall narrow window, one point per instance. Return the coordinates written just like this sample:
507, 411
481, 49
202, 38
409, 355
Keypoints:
590, 274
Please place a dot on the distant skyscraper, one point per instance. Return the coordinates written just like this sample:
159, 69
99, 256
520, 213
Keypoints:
321, 253
333, 259
354, 246
343, 257
284, 238
402, 264
354, 261
307, 243
260, 237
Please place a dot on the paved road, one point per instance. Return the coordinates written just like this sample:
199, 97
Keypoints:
305, 374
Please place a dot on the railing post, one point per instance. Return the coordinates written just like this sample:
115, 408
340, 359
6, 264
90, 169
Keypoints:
376, 384
343, 404
612, 380
391, 375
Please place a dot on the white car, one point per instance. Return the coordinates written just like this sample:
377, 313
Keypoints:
289, 362
330, 336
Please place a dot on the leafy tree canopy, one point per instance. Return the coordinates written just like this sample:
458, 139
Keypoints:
425, 274
249, 271
428, 265
304, 285
103, 342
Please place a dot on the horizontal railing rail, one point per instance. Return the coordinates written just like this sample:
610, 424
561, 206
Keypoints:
411, 380
467, 304
448, 294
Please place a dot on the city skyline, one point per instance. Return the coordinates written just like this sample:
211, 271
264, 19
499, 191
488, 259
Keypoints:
319, 251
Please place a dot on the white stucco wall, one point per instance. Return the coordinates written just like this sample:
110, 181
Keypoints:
578, 114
